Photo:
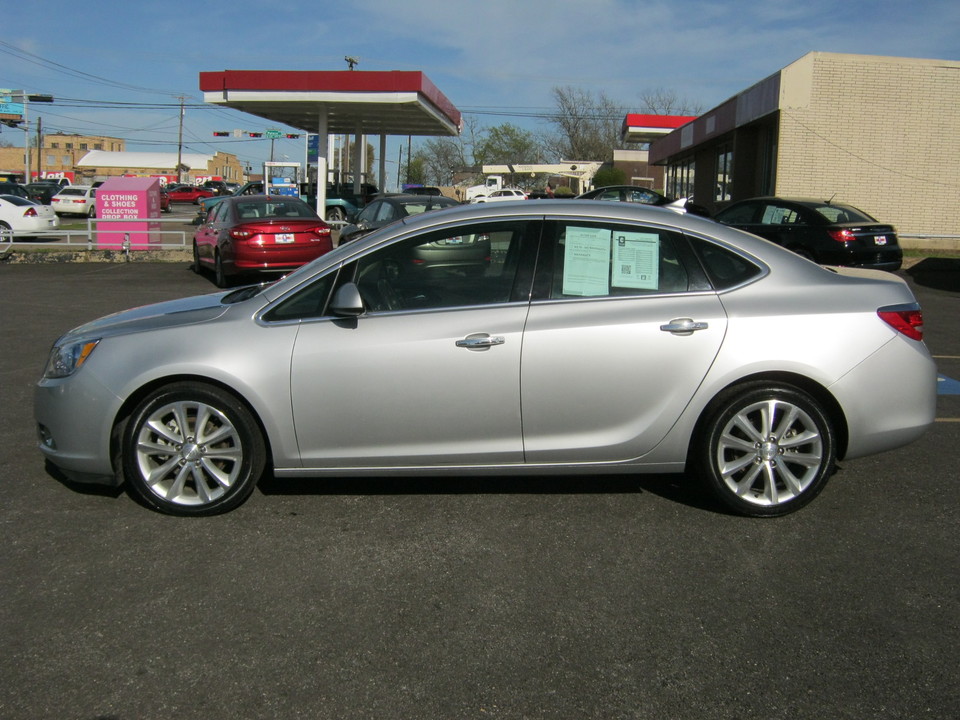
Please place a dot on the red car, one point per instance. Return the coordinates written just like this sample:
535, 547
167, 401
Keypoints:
189, 194
259, 233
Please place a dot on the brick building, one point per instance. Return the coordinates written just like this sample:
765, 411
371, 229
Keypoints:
877, 132
101, 164
85, 158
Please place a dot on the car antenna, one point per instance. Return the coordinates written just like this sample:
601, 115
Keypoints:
831, 198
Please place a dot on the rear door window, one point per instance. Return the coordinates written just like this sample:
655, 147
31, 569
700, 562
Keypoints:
584, 259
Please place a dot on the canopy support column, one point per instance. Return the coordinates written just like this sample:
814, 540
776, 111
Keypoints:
382, 172
323, 151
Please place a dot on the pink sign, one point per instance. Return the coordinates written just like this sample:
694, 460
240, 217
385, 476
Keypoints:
136, 201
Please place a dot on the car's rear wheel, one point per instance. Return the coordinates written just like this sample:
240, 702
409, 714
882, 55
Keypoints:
192, 449
220, 276
335, 214
196, 267
92, 211
765, 449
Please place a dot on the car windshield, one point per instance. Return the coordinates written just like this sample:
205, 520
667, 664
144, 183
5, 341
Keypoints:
842, 214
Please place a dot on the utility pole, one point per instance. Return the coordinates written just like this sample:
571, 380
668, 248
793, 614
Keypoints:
180, 143
39, 146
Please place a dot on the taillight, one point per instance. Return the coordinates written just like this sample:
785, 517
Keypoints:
240, 234
906, 319
841, 235
30, 212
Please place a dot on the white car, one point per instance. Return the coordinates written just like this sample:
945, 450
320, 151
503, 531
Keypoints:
25, 216
75, 200
501, 195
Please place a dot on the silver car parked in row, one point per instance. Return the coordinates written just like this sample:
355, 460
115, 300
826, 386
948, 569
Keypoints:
589, 337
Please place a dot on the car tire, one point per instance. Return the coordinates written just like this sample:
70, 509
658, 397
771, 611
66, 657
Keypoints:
765, 449
220, 276
196, 267
170, 466
335, 214
92, 212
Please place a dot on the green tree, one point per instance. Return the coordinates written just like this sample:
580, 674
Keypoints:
507, 144
609, 176
416, 172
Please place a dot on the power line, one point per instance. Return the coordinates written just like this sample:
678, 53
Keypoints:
29, 57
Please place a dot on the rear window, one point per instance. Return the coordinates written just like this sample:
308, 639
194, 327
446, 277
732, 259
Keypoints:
724, 268
17, 200
72, 191
282, 209
842, 214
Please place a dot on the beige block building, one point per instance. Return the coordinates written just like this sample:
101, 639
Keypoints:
880, 133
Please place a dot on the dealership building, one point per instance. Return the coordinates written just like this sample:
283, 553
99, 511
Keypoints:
879, 133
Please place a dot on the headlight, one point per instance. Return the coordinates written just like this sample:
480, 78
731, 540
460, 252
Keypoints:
67, 359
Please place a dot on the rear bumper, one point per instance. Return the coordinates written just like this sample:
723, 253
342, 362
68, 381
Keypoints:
889, 259
277, 257
890, 399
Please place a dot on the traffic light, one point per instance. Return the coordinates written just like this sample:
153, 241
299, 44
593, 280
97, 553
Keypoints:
255, 134
293, 136
221, 133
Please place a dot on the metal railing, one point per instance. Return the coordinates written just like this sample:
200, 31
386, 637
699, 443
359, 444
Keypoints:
98, 233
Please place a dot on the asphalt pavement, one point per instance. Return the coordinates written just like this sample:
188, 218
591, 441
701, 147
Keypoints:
625, 597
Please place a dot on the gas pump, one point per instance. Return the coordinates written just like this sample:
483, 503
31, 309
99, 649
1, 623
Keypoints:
281, 178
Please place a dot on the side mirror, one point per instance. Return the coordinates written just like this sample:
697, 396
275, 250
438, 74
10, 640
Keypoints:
347, 301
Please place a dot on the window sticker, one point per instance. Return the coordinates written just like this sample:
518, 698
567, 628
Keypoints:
586, 262
773, 215
636, 260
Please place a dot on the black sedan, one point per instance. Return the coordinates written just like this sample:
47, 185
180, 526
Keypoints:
42, 192
643, 196
385, 209
826, 232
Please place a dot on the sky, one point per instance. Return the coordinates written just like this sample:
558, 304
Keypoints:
119, 69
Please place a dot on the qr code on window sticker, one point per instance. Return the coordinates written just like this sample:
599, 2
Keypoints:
625, 269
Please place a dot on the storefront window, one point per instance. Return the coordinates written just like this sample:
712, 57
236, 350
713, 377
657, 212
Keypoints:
680, 179
724, 173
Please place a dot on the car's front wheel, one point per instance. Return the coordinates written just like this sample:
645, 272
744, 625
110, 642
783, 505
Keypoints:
335, 214
192, 449
766, 449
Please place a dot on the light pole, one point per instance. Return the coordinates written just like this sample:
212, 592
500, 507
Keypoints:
26, 99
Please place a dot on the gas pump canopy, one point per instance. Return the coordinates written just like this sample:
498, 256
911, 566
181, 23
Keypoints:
337, 102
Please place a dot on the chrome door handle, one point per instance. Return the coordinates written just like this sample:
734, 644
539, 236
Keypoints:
481, 341
683, 326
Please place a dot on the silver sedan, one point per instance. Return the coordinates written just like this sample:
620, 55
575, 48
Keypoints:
588, 337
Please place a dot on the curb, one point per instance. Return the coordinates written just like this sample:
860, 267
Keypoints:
13, 256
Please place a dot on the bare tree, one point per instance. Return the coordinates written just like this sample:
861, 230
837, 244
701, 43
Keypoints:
587, 125
662, 101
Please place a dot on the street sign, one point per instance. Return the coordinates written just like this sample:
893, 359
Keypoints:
274, 134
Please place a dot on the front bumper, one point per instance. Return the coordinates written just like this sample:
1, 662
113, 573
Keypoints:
75, 418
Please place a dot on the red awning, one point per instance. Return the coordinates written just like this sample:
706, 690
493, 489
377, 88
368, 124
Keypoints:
646, 128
